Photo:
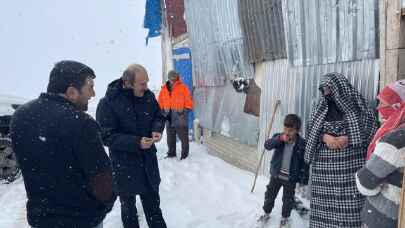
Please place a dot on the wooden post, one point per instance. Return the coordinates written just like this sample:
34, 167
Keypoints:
392, 42
401, 216
392, 59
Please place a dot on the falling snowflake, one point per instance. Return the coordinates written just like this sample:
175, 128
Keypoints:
42, 138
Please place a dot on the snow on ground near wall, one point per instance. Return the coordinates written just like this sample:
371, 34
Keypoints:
199, 192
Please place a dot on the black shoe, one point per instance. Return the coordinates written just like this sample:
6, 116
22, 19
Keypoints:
170, 156
183, 156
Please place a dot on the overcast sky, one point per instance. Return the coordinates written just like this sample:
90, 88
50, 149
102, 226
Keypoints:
107, 35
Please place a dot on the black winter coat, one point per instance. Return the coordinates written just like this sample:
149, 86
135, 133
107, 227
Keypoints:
299, 170
125, 119
67, 173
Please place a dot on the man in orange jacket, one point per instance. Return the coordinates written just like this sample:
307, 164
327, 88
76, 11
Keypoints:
175, 101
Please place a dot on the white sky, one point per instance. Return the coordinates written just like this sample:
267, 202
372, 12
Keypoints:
107, 35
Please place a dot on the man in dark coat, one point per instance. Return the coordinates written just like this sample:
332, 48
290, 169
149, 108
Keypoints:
67, 174
132, 122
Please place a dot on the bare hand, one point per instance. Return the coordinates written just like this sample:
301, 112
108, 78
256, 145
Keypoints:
335, 143
330, 141
284, 138
156, 136
146, 143
342, 141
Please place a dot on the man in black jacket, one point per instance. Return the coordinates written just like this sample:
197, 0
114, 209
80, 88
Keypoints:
287, 167
67, 174
132, 122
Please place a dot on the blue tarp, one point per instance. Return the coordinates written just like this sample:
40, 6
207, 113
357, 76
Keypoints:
153, 18
183, 65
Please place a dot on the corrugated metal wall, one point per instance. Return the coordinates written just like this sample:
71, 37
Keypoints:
297, 88
263, 28
220, 109
330, 31
216, 39
321, 36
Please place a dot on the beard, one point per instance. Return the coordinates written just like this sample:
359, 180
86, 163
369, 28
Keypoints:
82, 105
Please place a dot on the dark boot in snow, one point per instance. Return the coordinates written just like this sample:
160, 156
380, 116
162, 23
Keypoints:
183, 156
285, 223
169, 155
264, 218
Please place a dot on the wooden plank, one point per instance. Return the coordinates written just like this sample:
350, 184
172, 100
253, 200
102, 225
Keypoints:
231, 151
402, 33
401, 63
179, 39
391, 66
401, 216
383, 22
393, 24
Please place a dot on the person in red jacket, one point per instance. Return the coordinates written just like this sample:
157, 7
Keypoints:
175, 101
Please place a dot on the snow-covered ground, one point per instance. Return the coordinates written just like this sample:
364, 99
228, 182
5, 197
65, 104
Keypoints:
199, 192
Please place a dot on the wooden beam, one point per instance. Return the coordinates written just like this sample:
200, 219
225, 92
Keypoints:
392, 38
401, 216
391, 66
401, 64
393, 24
179, 39
383, 25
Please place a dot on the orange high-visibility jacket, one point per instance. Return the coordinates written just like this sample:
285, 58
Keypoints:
178, 99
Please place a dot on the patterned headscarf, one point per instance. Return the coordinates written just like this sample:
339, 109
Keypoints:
360, 118
394, 95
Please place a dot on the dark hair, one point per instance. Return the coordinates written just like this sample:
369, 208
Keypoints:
292, 121
68, 73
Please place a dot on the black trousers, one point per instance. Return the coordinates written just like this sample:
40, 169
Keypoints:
182, 132
271, 194
151, 207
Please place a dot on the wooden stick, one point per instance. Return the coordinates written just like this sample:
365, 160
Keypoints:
267, 133
401, 215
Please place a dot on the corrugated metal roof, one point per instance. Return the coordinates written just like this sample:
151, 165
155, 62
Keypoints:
216, 40
297, 88
263, 27
330, 31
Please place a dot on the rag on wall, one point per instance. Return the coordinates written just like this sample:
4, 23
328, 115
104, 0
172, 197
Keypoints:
153, 18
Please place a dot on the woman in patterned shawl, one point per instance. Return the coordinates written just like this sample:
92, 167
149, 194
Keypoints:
338, 133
